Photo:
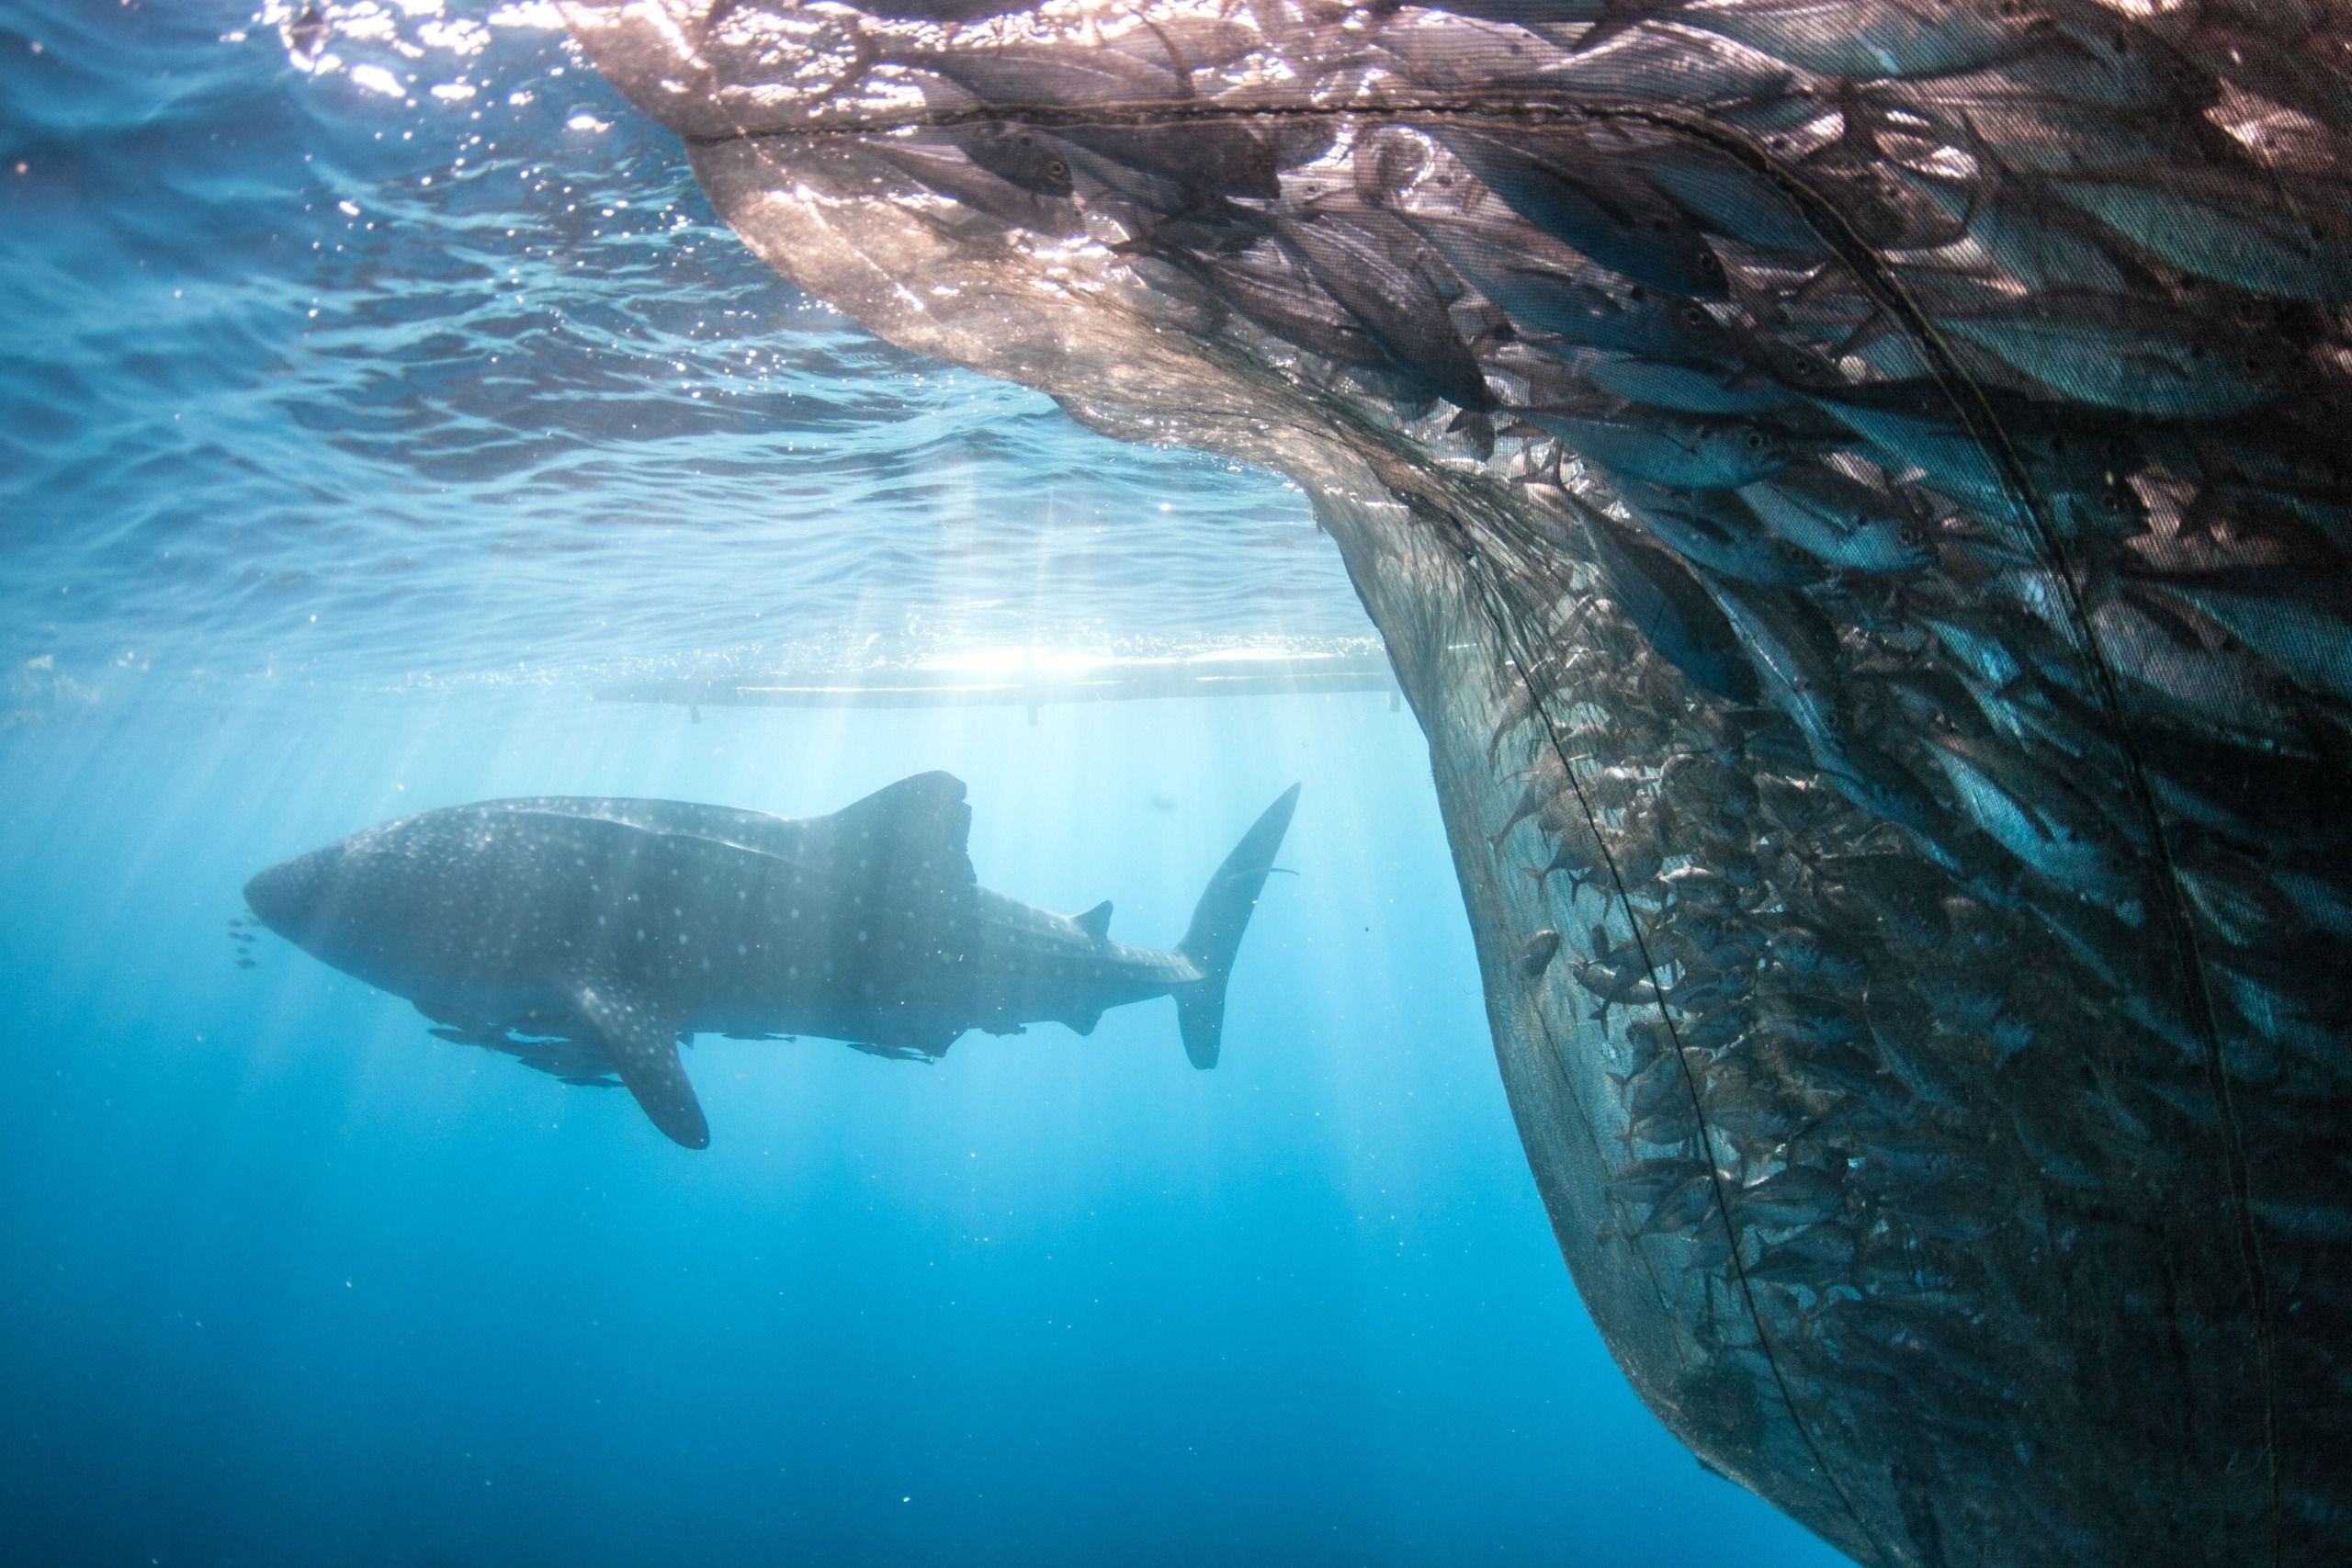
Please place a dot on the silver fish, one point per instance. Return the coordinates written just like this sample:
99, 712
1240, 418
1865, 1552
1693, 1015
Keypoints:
2235, 226
1355, 260
2127, 353
1716, 530
2300, 622
2038, 818
1668, 448
1872, 38
1839, 521
1609, 213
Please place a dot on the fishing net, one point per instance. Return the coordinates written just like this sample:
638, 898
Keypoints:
1854, 491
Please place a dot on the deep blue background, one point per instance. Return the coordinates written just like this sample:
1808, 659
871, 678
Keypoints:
288, 1282
285, 1280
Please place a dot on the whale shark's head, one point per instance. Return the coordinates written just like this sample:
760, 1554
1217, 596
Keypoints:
400, 905
293, 897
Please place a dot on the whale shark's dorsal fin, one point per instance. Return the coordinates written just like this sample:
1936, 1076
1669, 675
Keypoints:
922, 817
640, 1036
1096, 923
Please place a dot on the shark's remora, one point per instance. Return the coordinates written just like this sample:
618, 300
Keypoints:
583, 935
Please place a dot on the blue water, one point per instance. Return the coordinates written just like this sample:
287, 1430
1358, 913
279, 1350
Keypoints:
286, 1280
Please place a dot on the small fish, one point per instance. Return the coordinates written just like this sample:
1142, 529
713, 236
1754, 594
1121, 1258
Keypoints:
1043, 73
1547, 289
1840, 521
1614, 977
1220, 156
1690, 782
1897, 891
1657, 65
1915, 424
2258, 232
2030, 134
1639, 851
1671, 609
1819, 1020
1793, 653
1668, 448
1546, 781
1528, 694
2233, 896
1716, 530
1869, 38
1716, 1028
1019, 155
1644, 1182
1579, 853
1752, 1115
1845, 1071
1795, 1195
2127, 353
1875, 781
2300, 622
2271, 56
1683, 1205
1269, 288
1816, 1255
1688, 389
1607, 212
2078, 462
1729, 198
1537, 954
1163, 212
1355, 260
1980, 649
1809, 951
2038, 818
977, 189
2037, 239
1661, 1084
2222, 690
1613, 789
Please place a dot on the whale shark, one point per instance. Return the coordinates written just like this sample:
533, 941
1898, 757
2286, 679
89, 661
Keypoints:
588, 937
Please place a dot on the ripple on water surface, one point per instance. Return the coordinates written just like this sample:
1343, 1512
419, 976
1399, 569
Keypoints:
337, 363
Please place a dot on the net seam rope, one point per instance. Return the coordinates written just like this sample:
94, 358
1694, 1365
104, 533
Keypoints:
1504, 619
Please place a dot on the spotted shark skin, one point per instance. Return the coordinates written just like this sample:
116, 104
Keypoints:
623, 925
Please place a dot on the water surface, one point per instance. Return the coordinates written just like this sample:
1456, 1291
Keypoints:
348, 440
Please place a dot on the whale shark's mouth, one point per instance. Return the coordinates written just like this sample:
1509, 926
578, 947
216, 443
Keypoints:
1854, 492
289, 896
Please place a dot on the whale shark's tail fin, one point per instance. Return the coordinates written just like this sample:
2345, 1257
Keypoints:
1218, 921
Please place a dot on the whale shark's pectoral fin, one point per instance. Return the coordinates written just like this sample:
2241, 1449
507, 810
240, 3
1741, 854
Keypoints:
640, 1035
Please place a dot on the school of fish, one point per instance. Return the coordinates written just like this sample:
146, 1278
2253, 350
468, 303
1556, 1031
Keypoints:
1856, 492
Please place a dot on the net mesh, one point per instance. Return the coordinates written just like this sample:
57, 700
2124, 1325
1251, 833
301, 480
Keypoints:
1854, 492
